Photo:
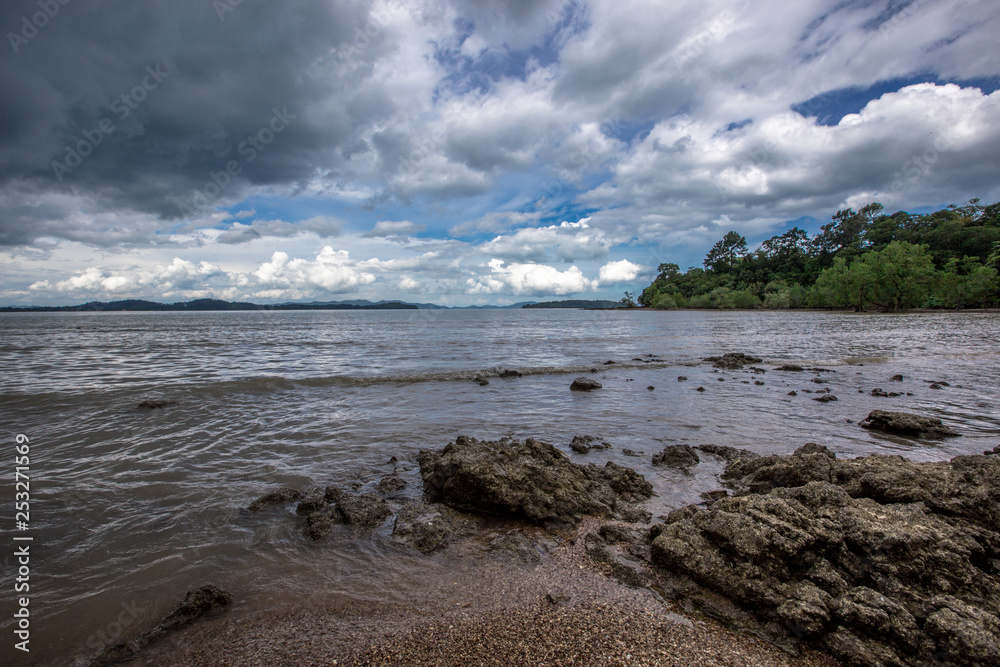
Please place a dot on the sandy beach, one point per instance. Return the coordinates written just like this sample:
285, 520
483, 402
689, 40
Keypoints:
564, 611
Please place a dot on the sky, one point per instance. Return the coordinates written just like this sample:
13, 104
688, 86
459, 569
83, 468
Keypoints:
465, 152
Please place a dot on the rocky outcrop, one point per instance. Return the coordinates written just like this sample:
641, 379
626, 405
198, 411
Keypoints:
585, 384
528, 480
878, 560
904, 423
682, 457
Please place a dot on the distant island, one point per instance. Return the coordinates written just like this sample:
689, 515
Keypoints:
575, 303
139, 305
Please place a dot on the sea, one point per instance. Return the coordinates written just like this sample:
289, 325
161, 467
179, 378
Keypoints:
130, 506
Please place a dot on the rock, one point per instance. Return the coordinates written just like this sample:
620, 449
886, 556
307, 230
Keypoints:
729, 454
320, 524
390, 484
198, 603
431, 527
514, 548
896, 378
879, 392
281, 496
700, 390
650, 388
789, 367
365, 510
682, 378
609, 363
733, 360
557, 598
482, 382
758, 370
582, 444
585, 384
530, 480
828, 398
155, 404
712, 496
677, 456
631, 452
793, 393
935, 385
621, 561
312, 503
878, 560
758, 383
814, 448
904, 423
819, 380
506, 374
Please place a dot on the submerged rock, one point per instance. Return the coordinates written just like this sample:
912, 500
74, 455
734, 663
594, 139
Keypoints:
366, 510
204, 601
789, 367
390, 484
530, 480
677, 456
585, 384
729, 454
904, 423
281, 496
155, 404
582, 444
507, 374
430, 527
733, 360
878, 560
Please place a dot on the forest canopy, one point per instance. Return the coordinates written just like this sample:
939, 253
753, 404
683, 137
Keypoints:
864, 260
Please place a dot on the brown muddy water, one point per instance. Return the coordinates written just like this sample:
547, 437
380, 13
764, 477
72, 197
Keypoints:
132, 507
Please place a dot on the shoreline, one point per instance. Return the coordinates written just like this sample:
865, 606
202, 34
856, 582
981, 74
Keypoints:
566, 609
870, 560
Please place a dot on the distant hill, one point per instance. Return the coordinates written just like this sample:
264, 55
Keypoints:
575, 303
139, 305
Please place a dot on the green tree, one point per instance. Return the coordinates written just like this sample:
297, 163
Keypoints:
727, 253
901, 275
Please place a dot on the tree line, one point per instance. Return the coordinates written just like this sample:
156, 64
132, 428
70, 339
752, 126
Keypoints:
864, 260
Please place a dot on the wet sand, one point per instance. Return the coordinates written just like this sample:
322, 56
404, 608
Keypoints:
562, 611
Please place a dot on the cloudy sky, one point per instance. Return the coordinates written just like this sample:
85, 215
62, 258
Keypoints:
465, 151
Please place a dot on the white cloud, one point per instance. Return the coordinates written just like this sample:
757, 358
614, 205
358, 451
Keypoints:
530, 280
567, 241
332, 271
386, 228
621, 271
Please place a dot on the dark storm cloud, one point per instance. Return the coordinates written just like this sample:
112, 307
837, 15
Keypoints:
162, 94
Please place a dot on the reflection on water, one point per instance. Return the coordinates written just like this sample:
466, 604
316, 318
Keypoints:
132, 507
